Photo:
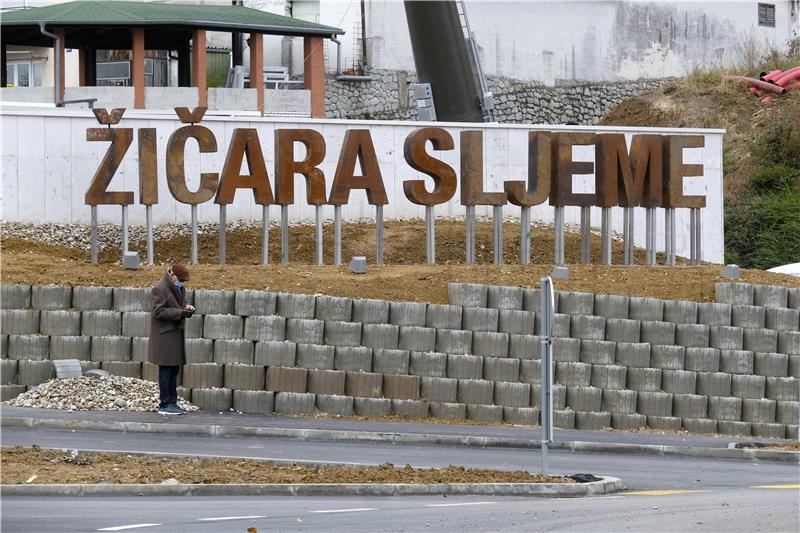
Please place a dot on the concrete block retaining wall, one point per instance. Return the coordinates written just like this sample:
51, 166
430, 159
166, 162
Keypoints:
731, 366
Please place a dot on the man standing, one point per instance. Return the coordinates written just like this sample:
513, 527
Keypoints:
168, 311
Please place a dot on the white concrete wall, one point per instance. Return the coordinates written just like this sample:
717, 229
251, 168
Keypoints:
48, 165
108, 97
170, 97
296, 102
232, 99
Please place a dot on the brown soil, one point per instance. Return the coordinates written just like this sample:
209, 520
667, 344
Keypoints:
404, 277
37, 466
791, 447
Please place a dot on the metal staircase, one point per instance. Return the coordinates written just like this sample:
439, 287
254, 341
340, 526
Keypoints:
481, 87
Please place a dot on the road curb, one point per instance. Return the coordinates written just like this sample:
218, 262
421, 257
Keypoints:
606, 485
741, 454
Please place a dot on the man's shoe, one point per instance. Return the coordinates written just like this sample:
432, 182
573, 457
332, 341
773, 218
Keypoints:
181, 409
170, 410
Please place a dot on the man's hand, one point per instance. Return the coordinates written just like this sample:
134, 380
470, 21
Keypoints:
189, 307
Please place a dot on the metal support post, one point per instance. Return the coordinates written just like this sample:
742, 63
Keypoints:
194, 234
586, 235
525, 235
469, 240
124, 230
223, 228
605, 236
497, 233
379, 234
265, 234
93, 237
558, 240
318, 234
695, 237
284, 234
627, 235
650, 238
669, 235
546, 334
148, 216
337, 235
430, 236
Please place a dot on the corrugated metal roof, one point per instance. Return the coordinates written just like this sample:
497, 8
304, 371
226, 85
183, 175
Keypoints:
121, 13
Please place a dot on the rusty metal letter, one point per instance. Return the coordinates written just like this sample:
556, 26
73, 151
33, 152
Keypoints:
472, 192
628, 181
176, 171
245, 143
108, 119
286, 166
675, 170
538, 186
148, 167
358, 145
97, 193
563, 168
444, 176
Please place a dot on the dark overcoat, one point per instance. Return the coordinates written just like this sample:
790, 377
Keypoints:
166, 323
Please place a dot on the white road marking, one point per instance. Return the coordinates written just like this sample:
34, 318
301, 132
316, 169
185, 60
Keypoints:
221, 518
131, 526
457, 504
358, 510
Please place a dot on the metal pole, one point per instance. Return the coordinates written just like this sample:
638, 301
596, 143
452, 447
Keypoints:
265, 234
337, 235
223, 212
586, 235
124, 229
497, 227
430, 234
93, 238
379, 234
695, 233
650, 238
194, 234
148, 214
469, 240
525, 235
318, 232
284, 234
558, 240
605, 236
548, 317
627, 235
669, 235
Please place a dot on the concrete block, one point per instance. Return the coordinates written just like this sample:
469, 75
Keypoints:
215, 302
479, 319
758, 410
530, 370
370, 311
623, 330
522, 416
588, 399
353, 358
150, 373
562, 325
679, 381
51, 297
111, 348
334, 405
439, 389
609, 376
135, 324
407, 313
770, 296
714, 314
490, 344
644, 379
726, 337
559, 393
70, 347
254, 401
3, 346
196, 350
253, 303
130, 369
295, 403
193, 327
325, 382
633, 354
31, 347
734, 293
203, 375
699, 425
333, 308
390, 361
784, 389
131, 299
448, 410
358, 264
793, 297
512, 394
714, 383
667, 357
573, 374
584, 420
750, 387
664, 423
500, 297
653, 403
680, 312
417, 338
15, 296
443, 316
627, 422
517, 322
702, 359
692, 335
619, 401
8, 371
428, 364
61, 323
100, 323
564, 418
598, 352
453, 341
566, 350
314, 356
794, 366
770, 431
265, 328
306, 331
19, 321
657, 333
342, 333
532, 299
578, 303
95, 365
787, 412
608, 305
372, 407
587, 327
500, 369
467, 294
301, 306
789, 342
398, 387
380, 336
519, 346
747, 316
222, 326
462, 366
284, 379
275, 353
692, 406
771, 364
93, 298
792, 431
492, 414
32, 373
9, 392
736, 361
475, 391
364, 384
234, 351
244, 377
782, 319
185, 393
724, 408
645, 309
761, 340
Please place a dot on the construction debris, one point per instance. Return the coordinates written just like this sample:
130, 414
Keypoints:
775, 83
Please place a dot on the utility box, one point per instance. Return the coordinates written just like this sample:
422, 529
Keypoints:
423, 94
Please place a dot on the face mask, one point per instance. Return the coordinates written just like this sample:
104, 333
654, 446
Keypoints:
178, 283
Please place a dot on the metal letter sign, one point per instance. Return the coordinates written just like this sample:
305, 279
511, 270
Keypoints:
546, 335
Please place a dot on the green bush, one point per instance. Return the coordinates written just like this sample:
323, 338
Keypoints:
775, 179
780, 145
764, 232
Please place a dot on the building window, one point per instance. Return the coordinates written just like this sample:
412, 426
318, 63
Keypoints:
24, 73
766, 15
